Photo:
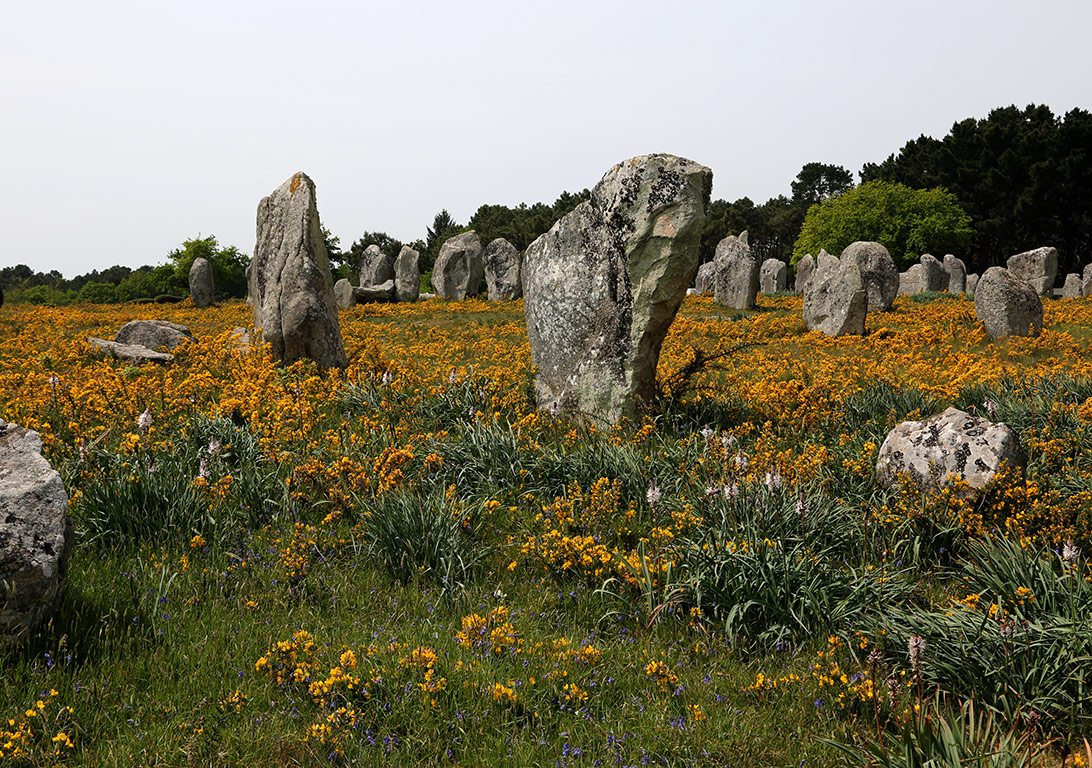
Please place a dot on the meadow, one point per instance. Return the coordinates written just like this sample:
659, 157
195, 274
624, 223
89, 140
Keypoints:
405, 563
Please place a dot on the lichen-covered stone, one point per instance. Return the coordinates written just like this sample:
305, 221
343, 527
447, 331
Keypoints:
705, 279
459, 269
602, 287
407, 275
201, 287
957, 274
36, 534
375, 294
1007, 305
1072, 287
878, 271
972, 283
291, 288
502, 264
836, 301
137, 354
949, 446
773, 276
154, 334
343, 294
737, 273
933, 276
1039, 267
804, 270
376, 267
1086, 281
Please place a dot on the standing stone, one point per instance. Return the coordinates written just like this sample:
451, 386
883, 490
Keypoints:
36, 534
706, 278
201, 283
804, 270
1007, 304
953, 445
836, 300
1039, 267
459, 268
602, 287
933, 277
407, 275
737, 273
972, 283
502, 264
1072, 287
774, 276
343, 294
1086, 281
878, 271
376, 267
910, 281
957, 274
154, 334
290, 282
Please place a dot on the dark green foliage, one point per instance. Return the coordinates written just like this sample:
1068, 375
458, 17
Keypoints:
228, 266
523, 224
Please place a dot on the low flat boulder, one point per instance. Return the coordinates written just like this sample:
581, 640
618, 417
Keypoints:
953, 445
374, 294
137, 354
36, 534
154, 334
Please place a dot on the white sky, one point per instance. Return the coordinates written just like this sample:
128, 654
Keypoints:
128, 127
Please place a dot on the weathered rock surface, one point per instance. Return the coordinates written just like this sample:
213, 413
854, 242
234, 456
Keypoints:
804, 269
154, 334
972, 283
459, 269
774, 276
953, 445
957, 274
1039, 267
36, 534
136, 354
291, 288
373, 294
736, 273
910, 280
602, 287
836, 301
933, 275
343, 294
502, 264
878, 271
706, 278
1086, 281
376, 267
1072, 287
201, 283
1007, 305
407, 275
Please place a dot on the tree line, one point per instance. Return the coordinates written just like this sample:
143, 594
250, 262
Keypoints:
1014, 180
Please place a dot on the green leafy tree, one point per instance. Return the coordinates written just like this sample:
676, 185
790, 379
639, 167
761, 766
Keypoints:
908, 222
98, 293
818, 181
522, 224
228, 267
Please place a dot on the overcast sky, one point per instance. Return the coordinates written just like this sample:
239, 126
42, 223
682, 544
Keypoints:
128, 127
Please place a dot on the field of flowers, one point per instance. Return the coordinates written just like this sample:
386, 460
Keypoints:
405, 563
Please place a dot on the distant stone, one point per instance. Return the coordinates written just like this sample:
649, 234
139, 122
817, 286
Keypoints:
804, 269
343, 294
602, 287
375, 294
836, 300
1039, 267
910, 280
154, 334
1086, 281
376, 267
426, 296
878, 271
1007, 305
934, 278
407, 275
1072, 287
737, 273
201, 283
972, 283
706, 278
137, 354
502, 264
290, 283
774, 276
36, 534
240, 338
957, 274
951, 446
459, 269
